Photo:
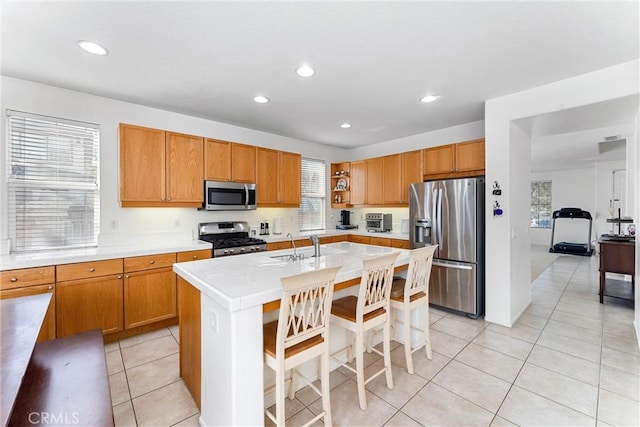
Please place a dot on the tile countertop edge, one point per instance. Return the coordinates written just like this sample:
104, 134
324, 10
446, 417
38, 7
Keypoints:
273, 238
41, 259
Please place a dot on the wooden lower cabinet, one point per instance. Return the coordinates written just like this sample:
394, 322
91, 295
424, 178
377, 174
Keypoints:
149, 296
48, 329
380, 241
87, 304
354, 238
190, 337
402, 244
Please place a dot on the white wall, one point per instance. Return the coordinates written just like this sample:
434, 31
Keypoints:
35, 98
508, 245
572, 188
604, 185
450, 135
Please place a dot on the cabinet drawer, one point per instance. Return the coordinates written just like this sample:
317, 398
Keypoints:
85, 270
194, 255
48, 328
10, 279
359, 239
304, 242
380, 241
326, 239
402, 244
149, 262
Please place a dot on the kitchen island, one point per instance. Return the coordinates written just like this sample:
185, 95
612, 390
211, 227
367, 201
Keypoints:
221, 353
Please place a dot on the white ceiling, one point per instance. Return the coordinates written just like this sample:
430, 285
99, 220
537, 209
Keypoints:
373, 60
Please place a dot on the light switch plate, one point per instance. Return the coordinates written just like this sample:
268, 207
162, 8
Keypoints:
213, 320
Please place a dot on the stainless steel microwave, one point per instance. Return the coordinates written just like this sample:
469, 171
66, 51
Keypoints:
229, 196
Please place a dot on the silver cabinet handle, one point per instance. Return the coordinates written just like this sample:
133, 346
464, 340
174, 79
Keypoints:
14, 279
152, 262
50, 287
119, 276
454, 266
127, 276
92, 269
195, 257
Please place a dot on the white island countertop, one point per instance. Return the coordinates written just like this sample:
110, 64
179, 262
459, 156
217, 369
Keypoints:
240, 282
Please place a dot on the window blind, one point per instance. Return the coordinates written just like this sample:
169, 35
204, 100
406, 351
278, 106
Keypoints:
311, 214
53, 187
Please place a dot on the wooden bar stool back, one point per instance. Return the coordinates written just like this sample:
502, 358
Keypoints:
300, 334
370, 309
411, 293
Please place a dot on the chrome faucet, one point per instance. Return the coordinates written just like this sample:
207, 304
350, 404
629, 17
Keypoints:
316, 245
295, 254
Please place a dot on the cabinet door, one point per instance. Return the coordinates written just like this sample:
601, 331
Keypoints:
439, 159
149, 296
217, 160
194, 255
185, 168
289, 179
375, 180
359, 182
142, 164
86, 304
267, 176
470, 156
48, 329
243, 163
411, 172
392, 179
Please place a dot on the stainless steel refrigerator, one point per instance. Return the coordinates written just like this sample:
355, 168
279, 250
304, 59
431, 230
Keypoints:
450, 213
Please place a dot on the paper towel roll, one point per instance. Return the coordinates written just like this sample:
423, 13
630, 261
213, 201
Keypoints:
277, 225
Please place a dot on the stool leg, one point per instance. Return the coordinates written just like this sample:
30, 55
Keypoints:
427, 334
292, 385
407, 338
280, 396
359, 349
326, 399
387, 354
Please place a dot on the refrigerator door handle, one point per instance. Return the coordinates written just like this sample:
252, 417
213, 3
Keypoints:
439, 214
454, 266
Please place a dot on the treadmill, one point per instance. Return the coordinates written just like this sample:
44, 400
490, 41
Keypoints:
583, 249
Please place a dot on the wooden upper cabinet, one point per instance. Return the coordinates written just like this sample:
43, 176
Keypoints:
358, 182
185, 169
470, 156
375, 181
160, 169
267, 176
455, 160
411, 171
278, 178
290, 172
142, 165
217, 160
392, 175
243, 163
439, 159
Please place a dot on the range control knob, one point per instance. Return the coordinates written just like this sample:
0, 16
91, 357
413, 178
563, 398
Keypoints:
226, 252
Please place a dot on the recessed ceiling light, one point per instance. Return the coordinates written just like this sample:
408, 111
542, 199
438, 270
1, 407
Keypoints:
92, 47
429, 98
305, 71
345, 125
261, 99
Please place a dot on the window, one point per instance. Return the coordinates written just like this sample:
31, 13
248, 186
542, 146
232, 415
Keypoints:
53, 192
541, 204
312, 206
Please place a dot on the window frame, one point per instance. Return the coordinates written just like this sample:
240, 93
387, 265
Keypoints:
53, 182
536, 205
319, 197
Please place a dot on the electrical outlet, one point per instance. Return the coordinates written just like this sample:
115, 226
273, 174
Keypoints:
176, 223
114, 224
214, 320
331, 216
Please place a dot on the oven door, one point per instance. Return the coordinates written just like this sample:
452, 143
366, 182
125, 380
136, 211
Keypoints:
374, 225
229, 196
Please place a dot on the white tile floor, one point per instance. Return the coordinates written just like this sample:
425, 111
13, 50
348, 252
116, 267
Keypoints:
568, 361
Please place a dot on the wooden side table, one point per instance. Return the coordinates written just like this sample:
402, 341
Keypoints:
616, 257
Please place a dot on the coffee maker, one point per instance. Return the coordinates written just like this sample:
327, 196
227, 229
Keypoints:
345, 221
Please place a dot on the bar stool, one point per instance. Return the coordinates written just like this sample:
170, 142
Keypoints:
301, 334
370, 309
411, 293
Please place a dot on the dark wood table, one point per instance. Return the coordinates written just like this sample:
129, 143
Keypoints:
21, 320
616, 257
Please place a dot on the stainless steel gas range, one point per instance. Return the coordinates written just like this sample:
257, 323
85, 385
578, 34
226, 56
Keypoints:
230, 238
